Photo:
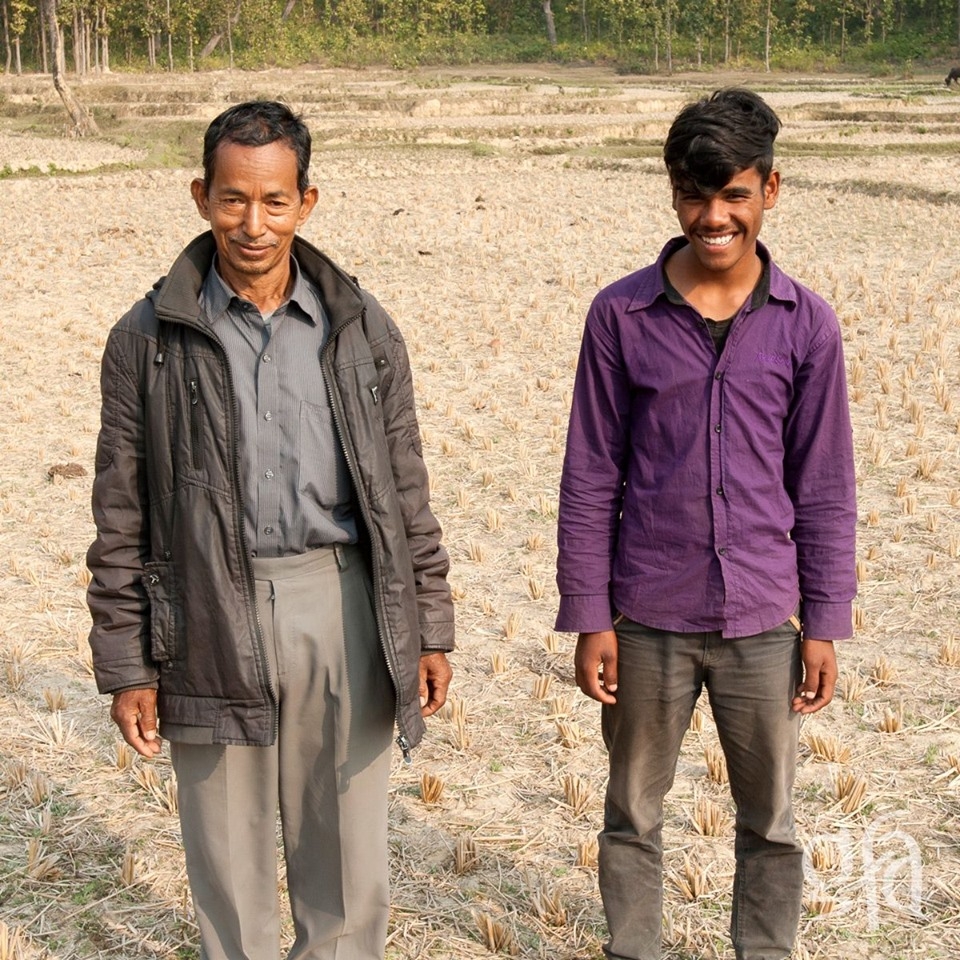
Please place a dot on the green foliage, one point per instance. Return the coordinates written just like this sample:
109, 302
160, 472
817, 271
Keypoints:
637, 35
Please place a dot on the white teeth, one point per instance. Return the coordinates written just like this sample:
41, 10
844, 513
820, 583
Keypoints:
717, 241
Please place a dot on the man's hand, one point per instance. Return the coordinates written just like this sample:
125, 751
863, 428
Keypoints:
819, 676
596, 665
135, 713
435, 675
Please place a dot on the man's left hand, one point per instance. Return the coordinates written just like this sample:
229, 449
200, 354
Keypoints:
435, 675
819, 676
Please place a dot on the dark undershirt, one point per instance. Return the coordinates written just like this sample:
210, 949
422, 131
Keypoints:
719, 330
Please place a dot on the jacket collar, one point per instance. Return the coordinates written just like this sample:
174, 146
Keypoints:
176, 296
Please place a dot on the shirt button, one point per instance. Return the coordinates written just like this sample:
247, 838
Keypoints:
722, 551
266, 358
268, 529
268, 474
717, 428
268, 416
719, 491
718, 376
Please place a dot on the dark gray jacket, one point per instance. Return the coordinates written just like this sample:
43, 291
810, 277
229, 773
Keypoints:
172, 595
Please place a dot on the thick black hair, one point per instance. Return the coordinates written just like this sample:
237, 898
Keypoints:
255, 124
715, 138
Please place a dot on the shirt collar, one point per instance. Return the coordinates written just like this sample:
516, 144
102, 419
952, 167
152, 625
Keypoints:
773, 283
216, 295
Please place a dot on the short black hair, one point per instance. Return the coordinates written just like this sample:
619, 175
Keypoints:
715, 138
255, 124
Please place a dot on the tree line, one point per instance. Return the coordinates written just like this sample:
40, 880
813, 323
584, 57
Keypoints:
96, 36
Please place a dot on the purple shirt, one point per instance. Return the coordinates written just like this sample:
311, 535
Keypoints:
704, 493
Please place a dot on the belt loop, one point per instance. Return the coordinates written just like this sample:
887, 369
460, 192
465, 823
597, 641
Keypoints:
341, 556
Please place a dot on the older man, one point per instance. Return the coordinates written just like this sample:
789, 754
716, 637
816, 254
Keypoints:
268, 577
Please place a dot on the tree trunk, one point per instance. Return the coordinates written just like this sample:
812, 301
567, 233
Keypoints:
214, 41
169, 40
190, 50
6, 38
669, 38
77, 44
726, 32
41, 18
288, 9
83, 122
551, 26
766, 38
104, 40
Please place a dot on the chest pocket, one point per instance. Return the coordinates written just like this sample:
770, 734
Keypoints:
322, 474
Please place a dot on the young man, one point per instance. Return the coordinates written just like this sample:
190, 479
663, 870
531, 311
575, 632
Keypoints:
268, 576
706, 529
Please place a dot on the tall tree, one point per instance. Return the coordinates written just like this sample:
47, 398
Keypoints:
83, 122
551, 25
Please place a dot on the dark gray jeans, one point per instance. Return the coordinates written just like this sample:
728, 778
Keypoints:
751, 681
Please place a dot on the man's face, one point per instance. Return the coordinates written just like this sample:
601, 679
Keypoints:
723, 228
254, 209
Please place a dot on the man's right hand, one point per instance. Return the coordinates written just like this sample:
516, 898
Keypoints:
596, 665
135, 713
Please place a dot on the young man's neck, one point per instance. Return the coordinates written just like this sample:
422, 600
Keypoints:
716, 294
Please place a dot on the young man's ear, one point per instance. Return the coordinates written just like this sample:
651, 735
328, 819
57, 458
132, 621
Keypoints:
771, 190
198, 190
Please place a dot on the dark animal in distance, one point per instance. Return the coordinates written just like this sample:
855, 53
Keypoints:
953, 76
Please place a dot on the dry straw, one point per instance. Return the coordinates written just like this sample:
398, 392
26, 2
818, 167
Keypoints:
577, 794
853, 686
128, 868
710, 819
496, 935
828, 748
850, 790
883, 673
511, 629
551, 642
541, 686
696, 720
825, 855
465, 856
431, 788
692, 881
569, 733
892, 720
548, 906
12, 943
716, 763
587, 853
949, 654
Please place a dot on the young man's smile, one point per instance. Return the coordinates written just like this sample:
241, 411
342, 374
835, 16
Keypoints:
722, 227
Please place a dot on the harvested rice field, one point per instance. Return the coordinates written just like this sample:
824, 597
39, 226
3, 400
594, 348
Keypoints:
485, 208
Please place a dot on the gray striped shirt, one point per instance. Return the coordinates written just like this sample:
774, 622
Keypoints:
297, 493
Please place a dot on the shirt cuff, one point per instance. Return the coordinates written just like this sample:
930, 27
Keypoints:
827, 621
584, 613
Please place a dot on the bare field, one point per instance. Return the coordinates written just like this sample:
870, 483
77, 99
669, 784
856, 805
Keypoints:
485, 208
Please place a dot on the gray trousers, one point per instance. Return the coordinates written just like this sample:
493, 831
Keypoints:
751, 681
327, 772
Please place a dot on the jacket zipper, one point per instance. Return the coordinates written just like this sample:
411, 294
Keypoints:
239, 520
402, 740
195, 424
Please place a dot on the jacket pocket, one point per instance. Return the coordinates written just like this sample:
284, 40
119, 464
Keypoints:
160, 584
